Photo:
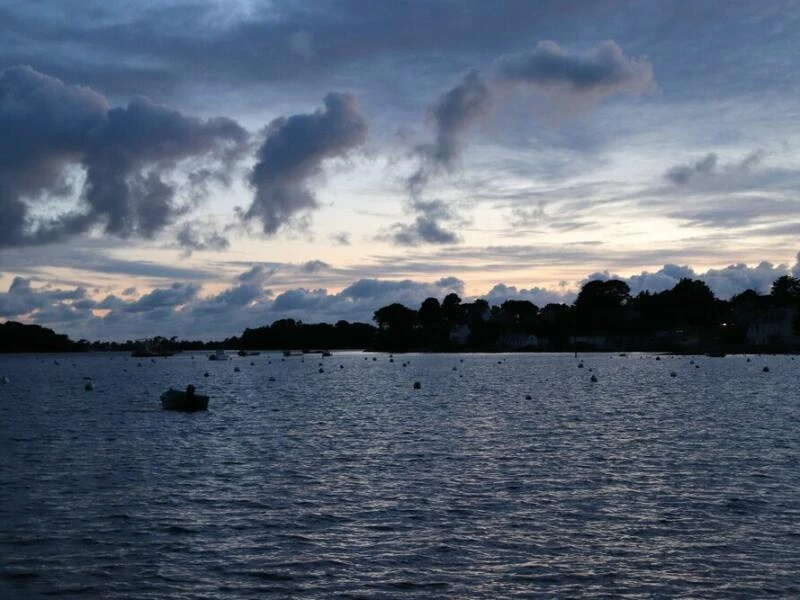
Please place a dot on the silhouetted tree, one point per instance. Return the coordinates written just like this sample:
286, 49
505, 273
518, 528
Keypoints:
600, 305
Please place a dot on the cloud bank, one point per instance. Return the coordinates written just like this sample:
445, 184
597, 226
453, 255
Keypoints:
55, 133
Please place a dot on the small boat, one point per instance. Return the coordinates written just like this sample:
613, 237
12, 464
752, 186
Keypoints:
218, 355
186, 401
246, 353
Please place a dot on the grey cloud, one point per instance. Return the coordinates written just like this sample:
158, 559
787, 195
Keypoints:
380, 288
175, 295
259, 273
681, 174
451, 116
423, 230
342, 238
603, 72
229, 300
194, 236
127, 154
21, 298
314, 266
539, 296
157, 45
708, 168
293, 152
735, 211
725, 282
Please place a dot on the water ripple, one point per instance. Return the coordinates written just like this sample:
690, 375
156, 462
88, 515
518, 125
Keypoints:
510, 476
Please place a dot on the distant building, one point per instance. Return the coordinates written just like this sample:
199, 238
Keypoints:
517, 341
774, 326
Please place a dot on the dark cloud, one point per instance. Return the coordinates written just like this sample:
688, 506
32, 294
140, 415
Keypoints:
681, 174
177, 294
22, 299
423, 230
258, 273
195, 236
52, 129
451, 116
293, 152
314, 266
708, 170
155, 46
604, 71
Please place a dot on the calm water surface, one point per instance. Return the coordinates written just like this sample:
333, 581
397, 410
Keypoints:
348, 483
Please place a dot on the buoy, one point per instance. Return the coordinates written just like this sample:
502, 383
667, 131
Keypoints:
658, 358
528, 397
236, 369
673, 374
765, 369
593, 378
4, 379
580, 365
341, 366
271, 379
89, 386
417, 385
206, 374
321, 370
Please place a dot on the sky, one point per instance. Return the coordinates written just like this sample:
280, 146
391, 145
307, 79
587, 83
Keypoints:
196, 167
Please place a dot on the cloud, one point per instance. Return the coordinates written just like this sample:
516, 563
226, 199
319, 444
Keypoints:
708, 168
21, 298
681, 174
176, 295
126, 155
180, 309
602, 72
293, 152
258, 274
195, 236
541, 297
341, 238
451, 116
314, 266
724, 282
423, 230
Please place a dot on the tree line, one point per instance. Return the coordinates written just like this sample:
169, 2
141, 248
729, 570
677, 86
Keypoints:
604, 316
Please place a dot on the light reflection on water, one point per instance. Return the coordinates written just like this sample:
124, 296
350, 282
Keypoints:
349, 483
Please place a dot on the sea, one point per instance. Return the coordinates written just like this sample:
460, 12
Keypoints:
501, 476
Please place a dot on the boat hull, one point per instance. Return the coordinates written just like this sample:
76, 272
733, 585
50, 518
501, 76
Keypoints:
177, 400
